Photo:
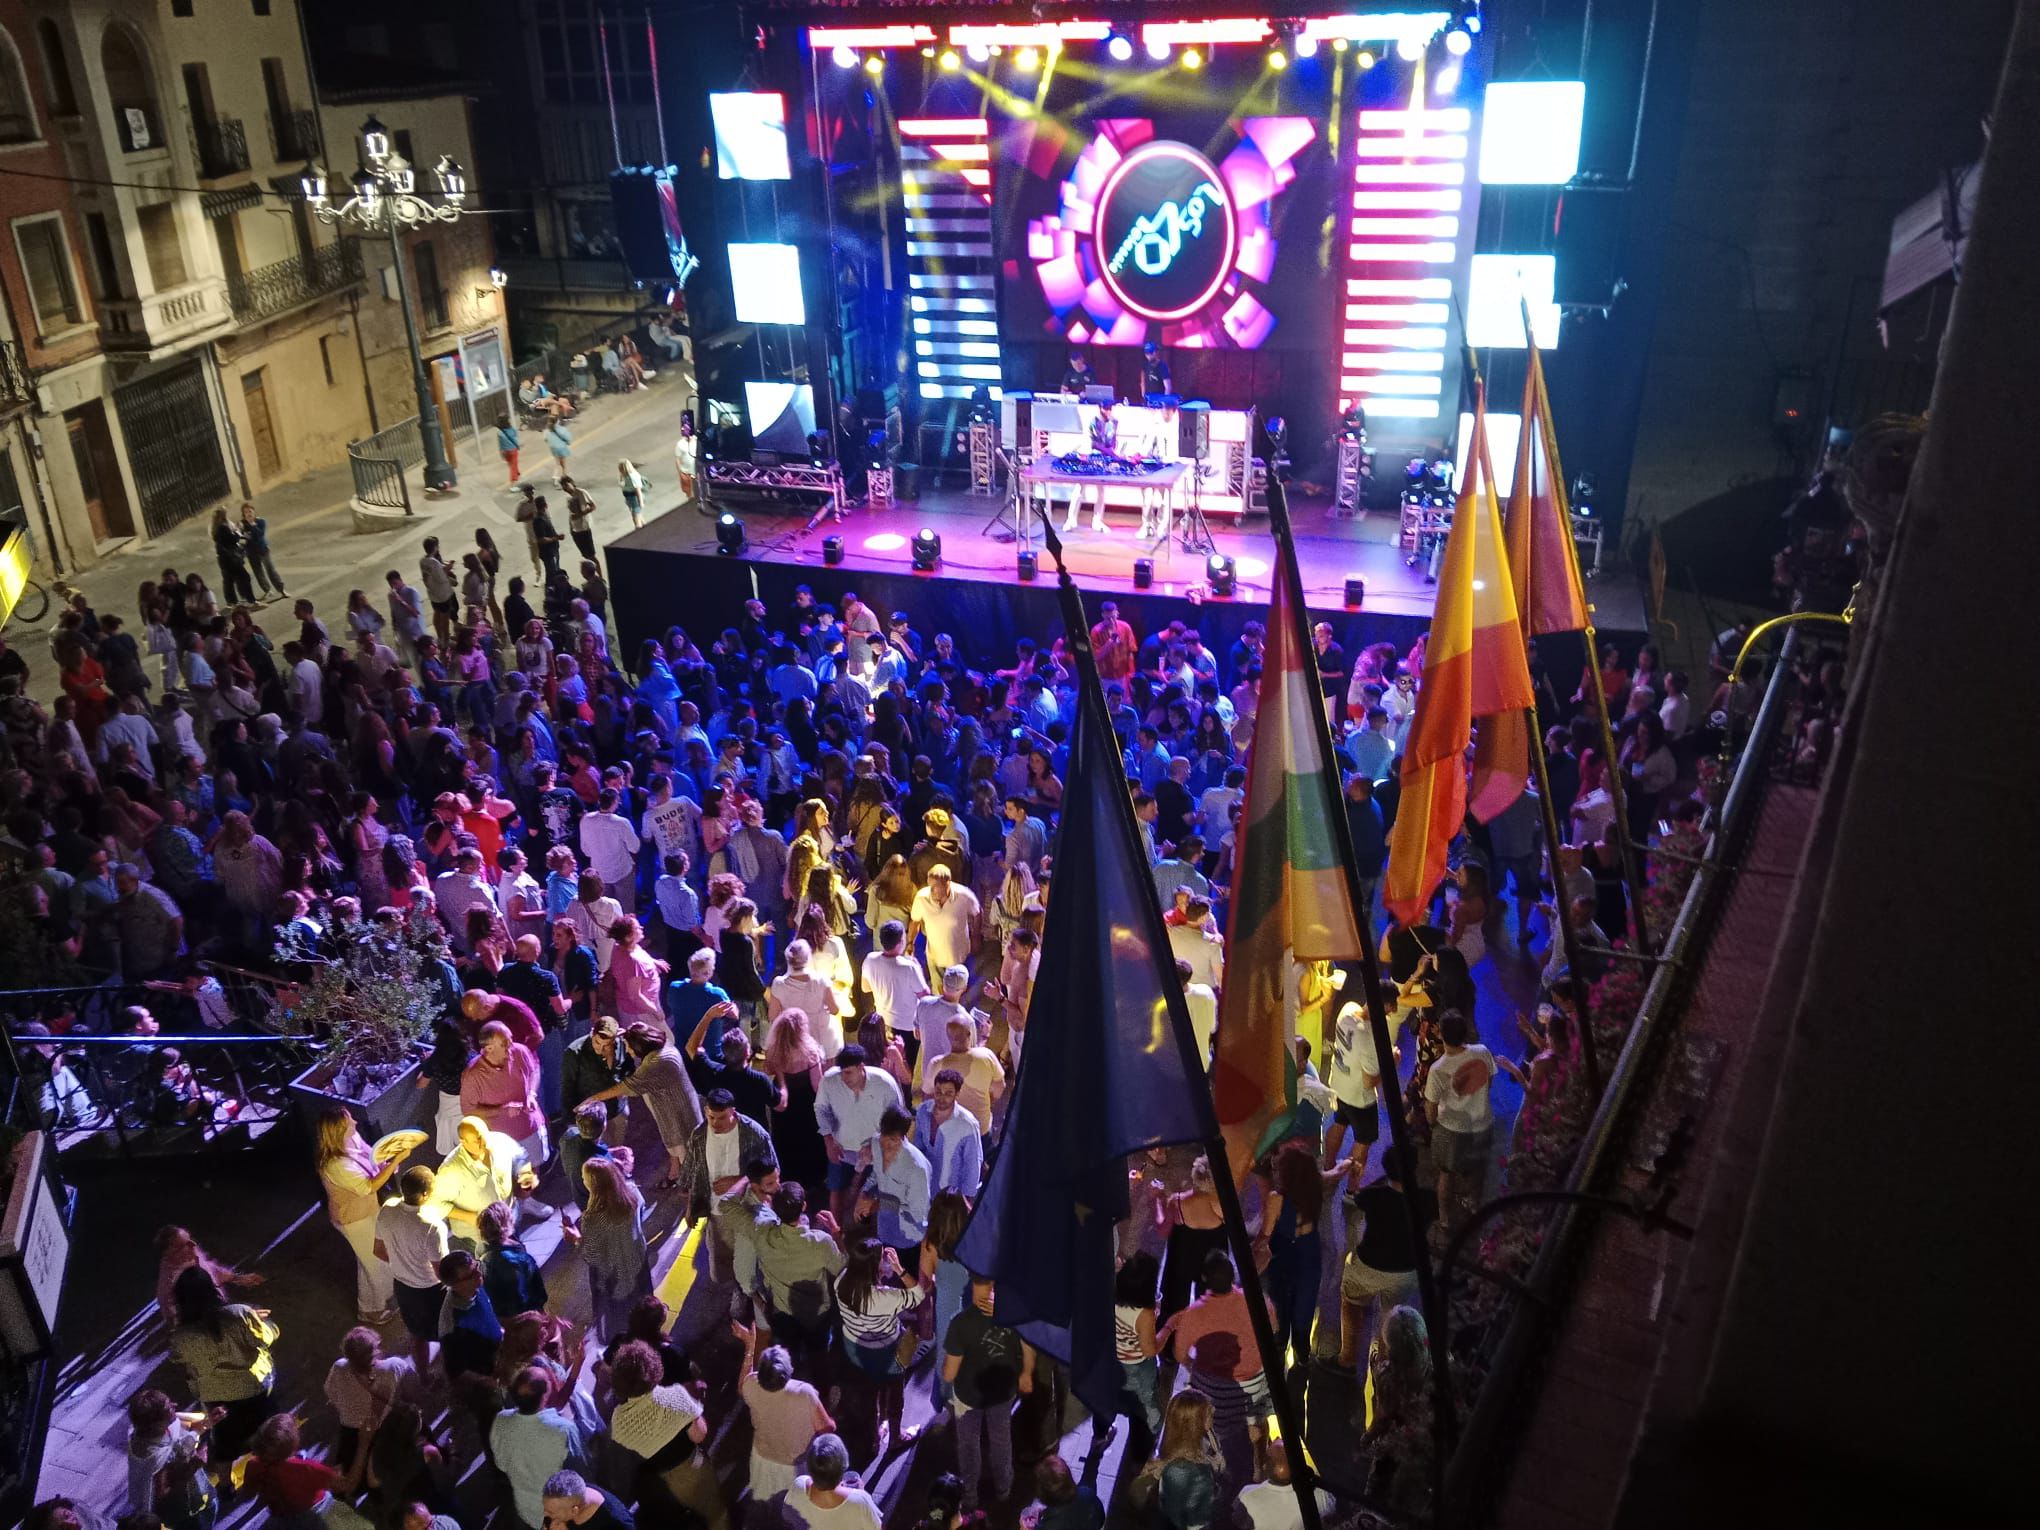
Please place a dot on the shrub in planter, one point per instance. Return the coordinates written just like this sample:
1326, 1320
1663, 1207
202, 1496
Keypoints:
367, 1011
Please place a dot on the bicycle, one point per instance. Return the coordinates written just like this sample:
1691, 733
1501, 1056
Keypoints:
31, 606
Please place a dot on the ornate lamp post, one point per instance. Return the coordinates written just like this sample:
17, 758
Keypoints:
386, 200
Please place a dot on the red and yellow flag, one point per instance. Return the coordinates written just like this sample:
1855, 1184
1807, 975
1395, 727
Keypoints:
1291, 900
1474, 666
1538, 532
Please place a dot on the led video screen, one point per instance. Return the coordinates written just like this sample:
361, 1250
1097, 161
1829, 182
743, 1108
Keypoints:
750, 135
1187, 231
765, 280
782, 416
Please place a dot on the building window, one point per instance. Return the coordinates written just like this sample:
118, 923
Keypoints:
105, 269
46, 262
63, 97
17, 111
261, 7
180, 8
160, 241
131, 87
431, 293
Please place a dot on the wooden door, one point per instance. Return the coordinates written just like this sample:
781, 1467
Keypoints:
255, 394
99, 477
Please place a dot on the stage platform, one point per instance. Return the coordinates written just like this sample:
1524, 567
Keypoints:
670, 573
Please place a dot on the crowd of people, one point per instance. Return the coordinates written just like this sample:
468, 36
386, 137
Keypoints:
781, 890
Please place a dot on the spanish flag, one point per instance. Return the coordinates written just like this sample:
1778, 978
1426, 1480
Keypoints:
1291, 901
1474, 666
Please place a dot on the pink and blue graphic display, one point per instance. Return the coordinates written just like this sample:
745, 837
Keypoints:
1145, 237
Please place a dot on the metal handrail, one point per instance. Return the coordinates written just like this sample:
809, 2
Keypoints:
1476, 1466
381, 465
222, 146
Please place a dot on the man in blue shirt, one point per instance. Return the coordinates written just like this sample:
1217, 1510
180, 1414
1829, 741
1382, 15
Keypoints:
898, 1187
1370, 839
690, 999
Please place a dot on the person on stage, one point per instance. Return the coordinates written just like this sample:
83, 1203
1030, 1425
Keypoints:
1154, 370
1079, 376
1104, 443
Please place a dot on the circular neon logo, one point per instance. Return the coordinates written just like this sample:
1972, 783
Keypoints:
1166, 234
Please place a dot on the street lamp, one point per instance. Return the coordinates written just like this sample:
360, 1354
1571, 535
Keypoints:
386, 201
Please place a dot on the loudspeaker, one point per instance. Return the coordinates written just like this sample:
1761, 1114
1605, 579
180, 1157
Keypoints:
1143, 573
1193, 431
1588, 236
648, 224
1016, 422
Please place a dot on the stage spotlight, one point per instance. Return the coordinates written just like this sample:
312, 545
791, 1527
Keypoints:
1030, 565
1027, 60
729, 535
1192, 59
1409, 48
1143, 573
1356, 592
875, 64
1120, 47
1277, 59
1445, 81
1365, 59
845, 56
927, 551
1158, 50
927, 53
979, 52
949, 60
1219, 574
832, 550
1306, 46
1457, 41
1338, 45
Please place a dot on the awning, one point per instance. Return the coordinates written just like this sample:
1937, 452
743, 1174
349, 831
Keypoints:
219, 204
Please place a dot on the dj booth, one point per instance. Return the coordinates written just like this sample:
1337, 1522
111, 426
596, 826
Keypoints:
1214, 447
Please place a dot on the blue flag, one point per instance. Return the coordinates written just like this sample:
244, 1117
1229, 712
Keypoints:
1109, 1067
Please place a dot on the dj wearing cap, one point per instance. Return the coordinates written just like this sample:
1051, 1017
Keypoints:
1154, 370
1079, 376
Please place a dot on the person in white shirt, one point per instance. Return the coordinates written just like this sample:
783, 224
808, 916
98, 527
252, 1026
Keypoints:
130, 725
894, 979
797, 988
307, 683
673, 823
947, 915
1354, 1073
1194, 944
1462, 1118
1271, 1503
1202, 1002
410, 1237
1676, 710
461, 889
820, 1502
1215, 805
594, 916
611, 846
931, 1021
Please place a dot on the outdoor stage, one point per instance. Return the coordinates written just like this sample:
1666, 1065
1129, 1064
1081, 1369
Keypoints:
670, 573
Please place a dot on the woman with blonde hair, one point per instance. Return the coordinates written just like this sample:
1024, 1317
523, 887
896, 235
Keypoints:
891, 895
1194, 1221
631, 484
794, 1061
611, 1235
1184, 1472
351, 1176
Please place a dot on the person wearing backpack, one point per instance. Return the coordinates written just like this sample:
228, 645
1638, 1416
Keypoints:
988, 1365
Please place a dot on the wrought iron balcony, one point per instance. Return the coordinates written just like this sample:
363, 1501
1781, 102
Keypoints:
297, 135
273, 289
16, 386
222, 147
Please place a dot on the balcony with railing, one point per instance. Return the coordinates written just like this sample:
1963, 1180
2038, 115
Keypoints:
286, 284
222, 147
296, 132
173, 317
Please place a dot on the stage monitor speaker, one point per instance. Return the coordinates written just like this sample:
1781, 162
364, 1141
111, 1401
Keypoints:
1016, 422
648, 224
1193, 431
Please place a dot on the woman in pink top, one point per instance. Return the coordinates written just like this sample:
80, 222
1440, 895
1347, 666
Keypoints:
639, 976
501, 1087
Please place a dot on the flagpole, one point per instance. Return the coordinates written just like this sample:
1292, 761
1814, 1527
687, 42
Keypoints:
1274, 1364
1632, 867
1443, 1420
1568, 936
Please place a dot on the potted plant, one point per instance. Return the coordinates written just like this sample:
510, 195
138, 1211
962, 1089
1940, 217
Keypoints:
369, 1011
